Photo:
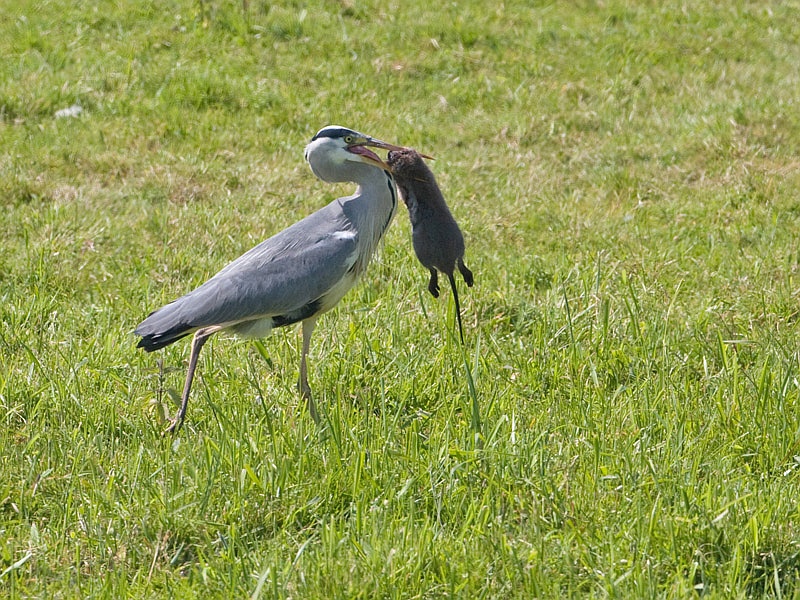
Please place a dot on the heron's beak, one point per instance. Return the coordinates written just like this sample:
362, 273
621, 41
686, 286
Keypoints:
369, 141
367, 155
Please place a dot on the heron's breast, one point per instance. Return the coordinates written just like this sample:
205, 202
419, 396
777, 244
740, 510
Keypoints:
337, 291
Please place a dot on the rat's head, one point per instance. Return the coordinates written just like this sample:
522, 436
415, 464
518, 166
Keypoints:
407, 164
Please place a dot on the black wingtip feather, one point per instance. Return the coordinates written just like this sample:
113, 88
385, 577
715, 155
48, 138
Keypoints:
151, 342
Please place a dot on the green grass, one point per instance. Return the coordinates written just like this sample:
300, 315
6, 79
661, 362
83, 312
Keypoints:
624, 420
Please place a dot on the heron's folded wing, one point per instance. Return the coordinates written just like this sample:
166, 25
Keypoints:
280, 275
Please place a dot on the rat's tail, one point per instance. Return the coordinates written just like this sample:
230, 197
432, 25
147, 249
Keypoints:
458, 306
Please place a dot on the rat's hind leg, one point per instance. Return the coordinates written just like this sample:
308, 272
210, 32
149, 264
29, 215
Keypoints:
433, 286
465, 272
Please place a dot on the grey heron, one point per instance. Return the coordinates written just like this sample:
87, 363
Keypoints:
295, 275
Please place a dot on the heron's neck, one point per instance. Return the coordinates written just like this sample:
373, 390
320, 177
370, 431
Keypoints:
372, 207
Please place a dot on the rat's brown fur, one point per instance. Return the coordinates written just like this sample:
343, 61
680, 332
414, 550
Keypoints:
438, 242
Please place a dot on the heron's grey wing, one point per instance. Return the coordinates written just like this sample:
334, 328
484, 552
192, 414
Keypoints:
273, 285
279, 276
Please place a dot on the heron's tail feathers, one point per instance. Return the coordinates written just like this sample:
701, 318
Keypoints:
160, 329
156, 341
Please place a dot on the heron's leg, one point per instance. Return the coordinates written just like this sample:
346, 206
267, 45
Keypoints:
302, 384
200, 337
465, 272
433, 286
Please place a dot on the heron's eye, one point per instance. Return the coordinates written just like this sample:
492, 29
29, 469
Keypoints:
349, 139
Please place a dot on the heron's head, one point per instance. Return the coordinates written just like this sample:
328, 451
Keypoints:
336, 154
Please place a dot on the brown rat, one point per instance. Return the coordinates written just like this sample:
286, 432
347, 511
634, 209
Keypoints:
438, 242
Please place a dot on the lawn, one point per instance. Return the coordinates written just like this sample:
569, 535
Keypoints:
624, 418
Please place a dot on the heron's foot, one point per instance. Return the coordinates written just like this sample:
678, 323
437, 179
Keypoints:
176, 422
312, 410
305, 394
174, 425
